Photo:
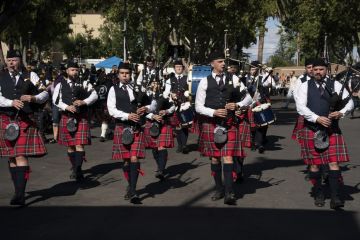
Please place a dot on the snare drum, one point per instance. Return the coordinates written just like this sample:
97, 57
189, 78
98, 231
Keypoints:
263, 114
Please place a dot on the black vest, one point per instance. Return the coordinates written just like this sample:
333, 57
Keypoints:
10, 91
123, 100
217, 97
71, 94
179, 86
317, 103
304, 78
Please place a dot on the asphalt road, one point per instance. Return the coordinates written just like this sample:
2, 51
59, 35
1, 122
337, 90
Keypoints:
273, 201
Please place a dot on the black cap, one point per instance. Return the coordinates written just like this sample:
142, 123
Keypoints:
123, 65
319, 62
216, 55
72, 64
150, 59
33, 63
13, 54
255, 64
233, 63
308, 61
178, 62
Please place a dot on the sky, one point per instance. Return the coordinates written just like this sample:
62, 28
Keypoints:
271, 41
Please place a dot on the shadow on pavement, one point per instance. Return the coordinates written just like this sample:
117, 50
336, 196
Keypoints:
174, 179
175, 223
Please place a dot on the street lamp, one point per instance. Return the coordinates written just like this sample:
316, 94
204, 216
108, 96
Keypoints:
29, 53
80, 53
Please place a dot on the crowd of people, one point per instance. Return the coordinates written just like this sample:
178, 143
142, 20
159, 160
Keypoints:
229, 112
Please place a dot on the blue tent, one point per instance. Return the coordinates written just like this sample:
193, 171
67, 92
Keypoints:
109, 62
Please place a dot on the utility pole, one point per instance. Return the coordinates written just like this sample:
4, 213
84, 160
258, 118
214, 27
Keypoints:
125, 28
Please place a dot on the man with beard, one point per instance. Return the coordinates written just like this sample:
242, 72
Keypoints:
321, 118
73, 99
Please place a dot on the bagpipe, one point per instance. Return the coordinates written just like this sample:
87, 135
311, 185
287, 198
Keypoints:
141, 99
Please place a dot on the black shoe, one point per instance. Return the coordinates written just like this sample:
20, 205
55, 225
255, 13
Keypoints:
102, 139
160, 175
319, 199
127, 194
134, 198
18, 200
219, 194
230, 198
179, 149
52, 141
261, 149
336, 203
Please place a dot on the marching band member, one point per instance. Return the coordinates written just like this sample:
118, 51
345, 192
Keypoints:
121, 103
259, 88
73, 98
148, 73
219, 137
301, 79
158, 131
19, 99
178, 89
321, 139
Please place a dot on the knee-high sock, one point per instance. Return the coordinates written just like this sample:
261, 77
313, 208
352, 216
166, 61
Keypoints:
228, 177
104, 127
179, 137
156, 156
184, 135
134, 175
335, 182
315, 179
163, 155
22, 176
71, 156
12, 171
216, 171
238, 164
79, 158
126, 171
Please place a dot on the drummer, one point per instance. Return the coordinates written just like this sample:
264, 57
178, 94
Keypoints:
259, 88
211, 103
313, 102
179, 90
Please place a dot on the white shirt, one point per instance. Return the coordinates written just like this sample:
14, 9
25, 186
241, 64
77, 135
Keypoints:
148, 72
39, 98
118, 114
167, 90
201, 95
297, 85
301, 103
88, 101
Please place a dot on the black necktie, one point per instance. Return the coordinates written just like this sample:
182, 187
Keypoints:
321, 88
221, 82
13, 77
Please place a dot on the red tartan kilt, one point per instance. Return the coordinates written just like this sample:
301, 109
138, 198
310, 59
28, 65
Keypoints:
250, 118
245, 133
208, 148
174, 120
165, 139
337, 151
195, 127
298, 126
29, 142
81, 137
121, 151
